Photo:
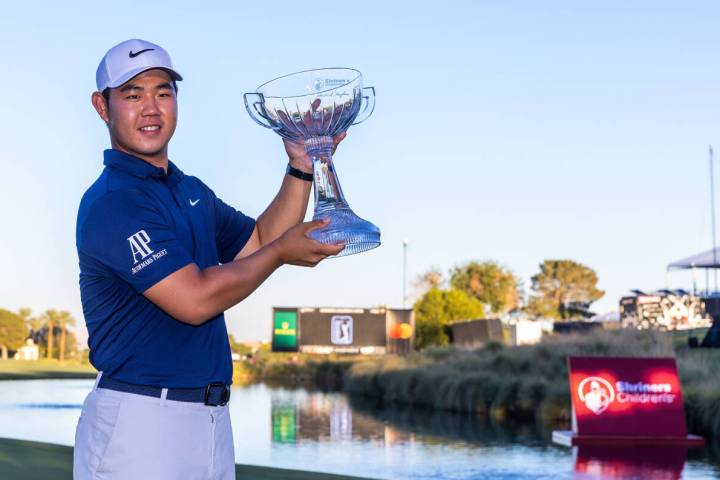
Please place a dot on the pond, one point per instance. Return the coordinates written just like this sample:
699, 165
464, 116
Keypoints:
300, 429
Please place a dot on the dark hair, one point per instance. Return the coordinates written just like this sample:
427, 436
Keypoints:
106, 93
106, 96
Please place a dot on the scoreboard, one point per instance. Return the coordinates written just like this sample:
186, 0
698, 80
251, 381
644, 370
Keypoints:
327, 330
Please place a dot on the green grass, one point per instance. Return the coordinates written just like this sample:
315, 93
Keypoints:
41, 369
23, 460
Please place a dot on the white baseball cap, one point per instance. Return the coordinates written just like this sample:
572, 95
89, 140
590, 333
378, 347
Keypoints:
129, 58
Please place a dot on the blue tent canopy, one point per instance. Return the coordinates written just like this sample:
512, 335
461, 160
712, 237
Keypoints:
707, 259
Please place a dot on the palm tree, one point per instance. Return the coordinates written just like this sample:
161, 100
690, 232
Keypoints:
48, 315
66, 319
50, 319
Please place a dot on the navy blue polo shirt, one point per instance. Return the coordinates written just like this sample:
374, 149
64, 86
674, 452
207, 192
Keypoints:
137, 225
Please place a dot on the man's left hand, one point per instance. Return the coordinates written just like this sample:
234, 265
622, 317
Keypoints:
298, 156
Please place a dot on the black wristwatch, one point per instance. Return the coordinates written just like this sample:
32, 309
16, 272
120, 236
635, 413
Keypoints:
294, 172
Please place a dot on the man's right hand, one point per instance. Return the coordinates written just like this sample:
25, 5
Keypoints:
296, 247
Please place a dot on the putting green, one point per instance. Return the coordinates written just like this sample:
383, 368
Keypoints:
23, 460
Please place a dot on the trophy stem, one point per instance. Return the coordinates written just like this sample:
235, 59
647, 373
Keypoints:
328, 193
357, 234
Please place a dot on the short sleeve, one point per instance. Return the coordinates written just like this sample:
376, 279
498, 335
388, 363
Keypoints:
232, 230
127, 233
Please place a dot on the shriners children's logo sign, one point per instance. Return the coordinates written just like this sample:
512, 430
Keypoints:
596, 393
626, 396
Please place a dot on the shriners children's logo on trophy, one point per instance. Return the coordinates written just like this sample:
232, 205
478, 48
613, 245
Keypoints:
310, 108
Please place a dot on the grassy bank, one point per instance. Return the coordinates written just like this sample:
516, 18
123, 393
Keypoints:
523, 383
23, 460
327, 372
39, 369
531, 382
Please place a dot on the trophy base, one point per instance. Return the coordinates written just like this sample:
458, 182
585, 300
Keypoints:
359, 235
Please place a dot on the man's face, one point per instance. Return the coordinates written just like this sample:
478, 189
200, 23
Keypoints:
142, 114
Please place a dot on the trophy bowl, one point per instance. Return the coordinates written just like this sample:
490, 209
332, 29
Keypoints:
310, 108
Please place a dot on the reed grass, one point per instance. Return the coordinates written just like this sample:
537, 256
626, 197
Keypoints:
531, 382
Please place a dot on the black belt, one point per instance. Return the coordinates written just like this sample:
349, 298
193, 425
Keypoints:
215, 394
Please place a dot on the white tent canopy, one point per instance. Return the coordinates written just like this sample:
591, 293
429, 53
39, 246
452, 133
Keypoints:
708, 259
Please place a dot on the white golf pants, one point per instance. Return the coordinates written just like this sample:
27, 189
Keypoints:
135, 437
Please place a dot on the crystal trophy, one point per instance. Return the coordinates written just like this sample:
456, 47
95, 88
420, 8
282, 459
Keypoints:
310, 108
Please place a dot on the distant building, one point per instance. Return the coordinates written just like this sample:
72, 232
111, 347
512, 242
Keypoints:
476, 332
570, 327
525, 332
29, 351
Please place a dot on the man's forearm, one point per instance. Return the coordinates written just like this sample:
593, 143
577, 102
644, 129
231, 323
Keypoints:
194, 296
285, 211
228, 284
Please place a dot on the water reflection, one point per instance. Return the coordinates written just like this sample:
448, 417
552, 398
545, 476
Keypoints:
468, 429
398, 443
660, 462
322, 417
319, 417
324, 432
312, 418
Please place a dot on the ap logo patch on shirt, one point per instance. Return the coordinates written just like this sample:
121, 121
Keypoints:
140, 245
141, 251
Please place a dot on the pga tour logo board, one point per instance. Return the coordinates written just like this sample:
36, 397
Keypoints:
616, 398
341, 329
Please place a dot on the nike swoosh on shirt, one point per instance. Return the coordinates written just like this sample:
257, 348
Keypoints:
192, 204
135, 54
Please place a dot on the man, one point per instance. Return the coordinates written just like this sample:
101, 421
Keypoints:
161, 259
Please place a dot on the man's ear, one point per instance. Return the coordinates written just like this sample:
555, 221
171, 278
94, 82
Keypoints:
101, 107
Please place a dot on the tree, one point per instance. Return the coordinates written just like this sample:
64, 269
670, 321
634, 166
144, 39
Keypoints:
26, 314
13, 332
432, 279
561, 283
52, 322
237, 347
42, 337
439, 308
490, 283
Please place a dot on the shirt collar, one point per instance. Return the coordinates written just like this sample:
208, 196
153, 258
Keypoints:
140, 168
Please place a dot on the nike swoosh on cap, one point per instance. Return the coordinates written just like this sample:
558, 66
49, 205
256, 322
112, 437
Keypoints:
192, 204
133, 55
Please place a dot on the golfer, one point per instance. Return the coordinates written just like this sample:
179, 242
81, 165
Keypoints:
161, 258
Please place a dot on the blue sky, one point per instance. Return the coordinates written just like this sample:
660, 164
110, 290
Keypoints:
513, 131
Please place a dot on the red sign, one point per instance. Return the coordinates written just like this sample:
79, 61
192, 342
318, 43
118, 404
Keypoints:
619, 396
